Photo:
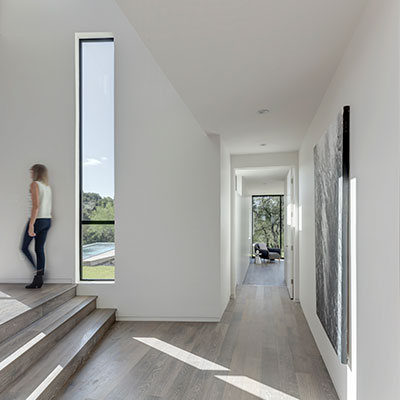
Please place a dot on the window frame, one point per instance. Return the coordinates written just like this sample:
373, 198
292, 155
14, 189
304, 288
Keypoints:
80, 39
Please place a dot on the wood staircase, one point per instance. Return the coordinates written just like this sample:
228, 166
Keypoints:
45, 336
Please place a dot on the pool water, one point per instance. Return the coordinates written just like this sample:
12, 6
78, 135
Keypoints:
94, 249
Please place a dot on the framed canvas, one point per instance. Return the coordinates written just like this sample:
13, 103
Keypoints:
331, 178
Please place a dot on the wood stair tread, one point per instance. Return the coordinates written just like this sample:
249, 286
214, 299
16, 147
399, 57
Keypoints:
51, 296
17, 293
20, 307
50, 373
45, 325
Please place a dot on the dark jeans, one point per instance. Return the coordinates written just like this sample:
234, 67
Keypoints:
42, 226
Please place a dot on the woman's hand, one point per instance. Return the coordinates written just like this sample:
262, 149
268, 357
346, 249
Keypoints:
31, 231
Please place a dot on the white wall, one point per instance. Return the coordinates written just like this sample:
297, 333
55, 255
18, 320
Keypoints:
252, 187
167, 169
245, 236
291, 235
241, 237
264, 160
225, 226
367, 80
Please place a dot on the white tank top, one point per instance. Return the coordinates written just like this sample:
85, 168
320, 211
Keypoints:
44, 200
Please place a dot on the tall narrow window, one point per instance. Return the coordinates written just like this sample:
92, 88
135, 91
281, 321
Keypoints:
96, 128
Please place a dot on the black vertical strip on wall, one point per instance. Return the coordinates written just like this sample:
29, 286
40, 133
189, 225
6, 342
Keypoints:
345, 233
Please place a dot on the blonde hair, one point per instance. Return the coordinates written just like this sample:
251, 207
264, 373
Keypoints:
40, 173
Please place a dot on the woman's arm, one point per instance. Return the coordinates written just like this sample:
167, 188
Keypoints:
35, 208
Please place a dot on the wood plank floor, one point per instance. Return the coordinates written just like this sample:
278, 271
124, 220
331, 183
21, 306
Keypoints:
266, 274
262, 340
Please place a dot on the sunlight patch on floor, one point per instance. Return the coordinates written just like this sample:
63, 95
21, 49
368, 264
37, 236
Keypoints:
244, 383
255, 388
13, 305
7, 361
42, 387
182, 355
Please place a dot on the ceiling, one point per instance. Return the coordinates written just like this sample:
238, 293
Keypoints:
229, 58
263, 175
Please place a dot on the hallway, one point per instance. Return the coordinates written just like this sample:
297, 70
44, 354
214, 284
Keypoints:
262, 348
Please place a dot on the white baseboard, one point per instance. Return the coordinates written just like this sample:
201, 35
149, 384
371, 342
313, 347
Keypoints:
167, 319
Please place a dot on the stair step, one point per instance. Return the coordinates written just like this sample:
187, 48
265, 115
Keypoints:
21, 307
44, 379
20, 351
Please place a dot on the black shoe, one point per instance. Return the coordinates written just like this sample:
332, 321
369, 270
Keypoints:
39, 281
36, 283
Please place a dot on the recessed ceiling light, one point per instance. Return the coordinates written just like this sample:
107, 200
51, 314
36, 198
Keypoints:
263, 111
263, 144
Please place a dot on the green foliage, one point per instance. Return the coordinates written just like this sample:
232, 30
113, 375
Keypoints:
103, 211
93, 205
97, 208
266, 220
89, 203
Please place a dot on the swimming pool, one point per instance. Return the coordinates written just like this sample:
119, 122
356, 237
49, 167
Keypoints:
94, 249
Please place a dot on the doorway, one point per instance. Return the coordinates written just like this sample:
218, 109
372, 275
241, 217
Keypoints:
268, 215
264, 205
268, 232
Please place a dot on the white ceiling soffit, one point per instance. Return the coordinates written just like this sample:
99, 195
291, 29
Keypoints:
229, 58
263, 174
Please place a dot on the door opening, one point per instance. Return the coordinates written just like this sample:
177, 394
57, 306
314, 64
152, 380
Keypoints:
268, 221
268, 238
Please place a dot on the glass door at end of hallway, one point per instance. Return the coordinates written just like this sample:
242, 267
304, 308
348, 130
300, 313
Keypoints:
268, 214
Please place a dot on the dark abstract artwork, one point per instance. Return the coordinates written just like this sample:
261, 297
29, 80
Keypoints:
331, 177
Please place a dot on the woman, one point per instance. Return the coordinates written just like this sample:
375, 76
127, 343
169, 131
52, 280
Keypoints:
39, 222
